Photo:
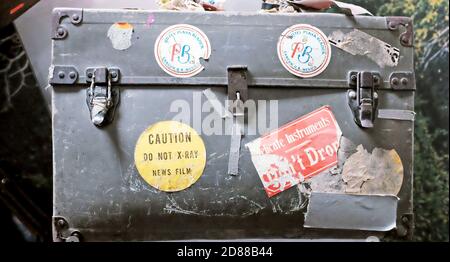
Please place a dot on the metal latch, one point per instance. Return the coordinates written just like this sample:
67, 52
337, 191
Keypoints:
237, 95
363, 98
237, 85
101, 98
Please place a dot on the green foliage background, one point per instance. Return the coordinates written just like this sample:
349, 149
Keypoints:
431, 181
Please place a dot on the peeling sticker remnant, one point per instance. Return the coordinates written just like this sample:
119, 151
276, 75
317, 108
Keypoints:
356, 212
330, 181
170, 156
357, 42
378, 173
299, 150
150, 20
178, 50
360, 172
120, 35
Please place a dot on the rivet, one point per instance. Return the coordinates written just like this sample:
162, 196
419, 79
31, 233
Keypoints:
61, 222
404, 39
404, 81
372, 239
75, 17
392, 26
394, 81
353, 78
114, 74
405, 220
89, 75
376, 79
60, 31
72, 74
73, 238
352, 94
61, 74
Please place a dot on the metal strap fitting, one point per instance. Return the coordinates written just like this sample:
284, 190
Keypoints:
237, 95
63, 232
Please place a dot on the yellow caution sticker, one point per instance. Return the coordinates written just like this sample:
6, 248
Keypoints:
170, 156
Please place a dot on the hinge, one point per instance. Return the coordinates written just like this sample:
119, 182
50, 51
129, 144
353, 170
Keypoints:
58, 30
407, 37
101, 97
363, 98
62, 232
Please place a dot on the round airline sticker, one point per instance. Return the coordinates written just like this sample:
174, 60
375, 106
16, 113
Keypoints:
304, 50
170, 156
178, 50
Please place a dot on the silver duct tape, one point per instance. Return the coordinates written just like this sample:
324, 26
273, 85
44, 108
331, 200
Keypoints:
354, 212
396, 114
235, 146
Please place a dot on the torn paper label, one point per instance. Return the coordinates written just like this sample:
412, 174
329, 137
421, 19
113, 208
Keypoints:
360, 172
120, 35
299, 150
379, 172
178, 50
357, 42
354, 212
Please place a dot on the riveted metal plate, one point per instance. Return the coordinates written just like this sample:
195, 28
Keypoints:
65, 75
237, 82
402, 81
59, 31
394, 23
101, 74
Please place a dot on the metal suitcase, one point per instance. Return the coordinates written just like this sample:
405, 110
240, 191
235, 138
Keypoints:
109, 87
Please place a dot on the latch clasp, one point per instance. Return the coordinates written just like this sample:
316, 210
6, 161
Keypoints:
363, 98
101, 98
237, 87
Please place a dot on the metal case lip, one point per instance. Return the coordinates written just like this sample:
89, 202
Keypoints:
214, 73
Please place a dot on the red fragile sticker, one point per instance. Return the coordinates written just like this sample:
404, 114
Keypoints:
296, 151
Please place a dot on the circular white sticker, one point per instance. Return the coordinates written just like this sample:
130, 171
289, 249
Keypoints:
178, 50
304, 50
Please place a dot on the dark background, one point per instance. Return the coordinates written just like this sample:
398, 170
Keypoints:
25, 125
